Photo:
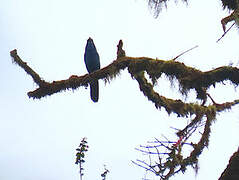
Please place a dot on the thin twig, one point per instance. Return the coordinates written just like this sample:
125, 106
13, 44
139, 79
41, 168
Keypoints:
148, 169
160, 162
147, 152
184, 52
153, 146
174, 128
225, 33
160, 141
211, 99
163, 145
194, 121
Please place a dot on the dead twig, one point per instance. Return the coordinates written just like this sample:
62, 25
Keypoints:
225, 33
184, 52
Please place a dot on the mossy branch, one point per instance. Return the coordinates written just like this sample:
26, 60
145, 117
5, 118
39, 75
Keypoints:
166, 158
16, 59
187, 77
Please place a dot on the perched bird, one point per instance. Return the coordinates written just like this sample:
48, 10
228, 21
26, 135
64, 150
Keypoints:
92, 62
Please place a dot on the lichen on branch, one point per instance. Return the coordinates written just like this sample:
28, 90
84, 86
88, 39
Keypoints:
187, 77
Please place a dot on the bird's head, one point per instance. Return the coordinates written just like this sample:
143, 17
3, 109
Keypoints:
90, 43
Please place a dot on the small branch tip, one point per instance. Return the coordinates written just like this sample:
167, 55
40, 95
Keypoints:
13, 52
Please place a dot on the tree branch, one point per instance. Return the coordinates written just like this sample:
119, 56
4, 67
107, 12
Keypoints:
188, 78
232, 170
36, 78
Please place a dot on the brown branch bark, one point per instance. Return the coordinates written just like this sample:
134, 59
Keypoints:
232, 170
188, 78
231, 17
36, 78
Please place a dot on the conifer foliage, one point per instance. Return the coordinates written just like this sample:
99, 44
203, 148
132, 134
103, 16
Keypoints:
232, 5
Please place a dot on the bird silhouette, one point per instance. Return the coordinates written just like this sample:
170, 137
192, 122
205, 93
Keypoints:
92, 62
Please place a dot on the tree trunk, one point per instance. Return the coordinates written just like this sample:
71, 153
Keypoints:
232, 170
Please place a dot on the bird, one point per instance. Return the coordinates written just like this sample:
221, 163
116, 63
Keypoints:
92, 62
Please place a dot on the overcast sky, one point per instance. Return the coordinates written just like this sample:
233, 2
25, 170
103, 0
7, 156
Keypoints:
39, 137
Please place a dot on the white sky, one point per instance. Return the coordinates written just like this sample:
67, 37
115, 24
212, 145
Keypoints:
39, 137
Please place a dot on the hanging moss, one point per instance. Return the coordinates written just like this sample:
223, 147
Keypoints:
158, 5
187, 77
230, 4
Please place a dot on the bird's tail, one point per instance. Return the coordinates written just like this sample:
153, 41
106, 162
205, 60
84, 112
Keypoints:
94, 90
